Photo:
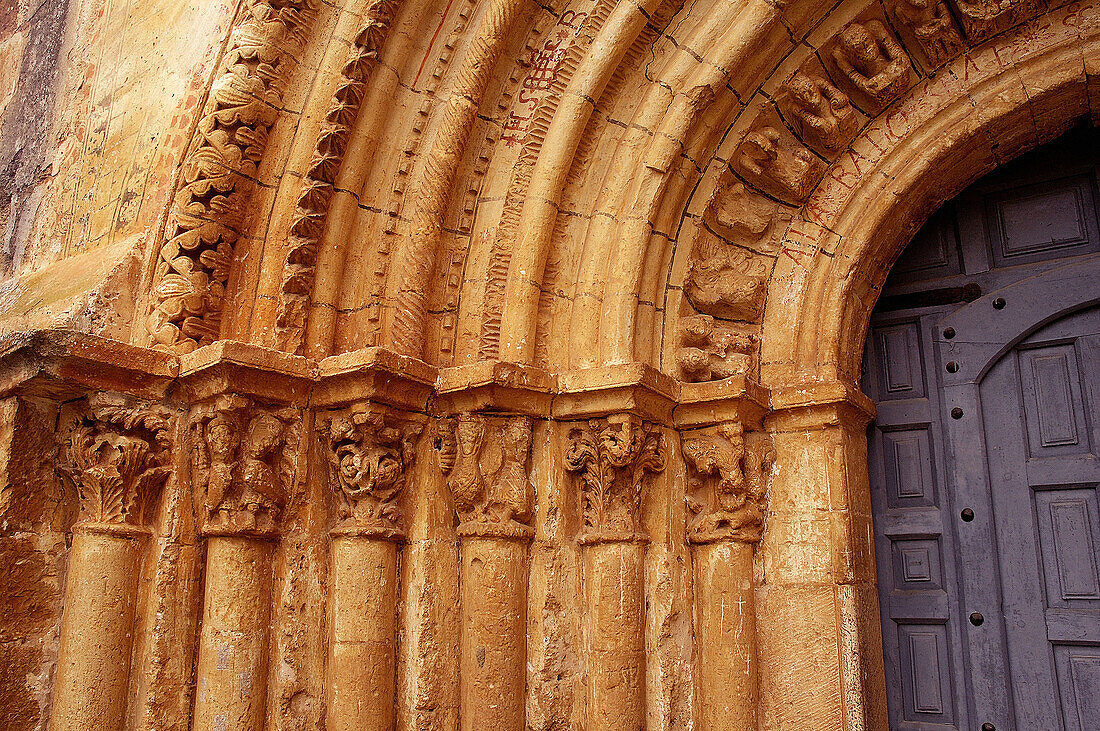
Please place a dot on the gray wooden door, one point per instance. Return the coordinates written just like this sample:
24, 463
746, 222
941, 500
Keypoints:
984, 361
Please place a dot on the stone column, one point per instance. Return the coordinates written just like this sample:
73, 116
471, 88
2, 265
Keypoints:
728, 484
117, 455
487, 460
613, 455
369, 451
244, 467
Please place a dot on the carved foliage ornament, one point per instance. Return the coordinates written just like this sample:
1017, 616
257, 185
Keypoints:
369, 453
117, 456
243, 463
727, 484
486, 458
207, 213
613, 456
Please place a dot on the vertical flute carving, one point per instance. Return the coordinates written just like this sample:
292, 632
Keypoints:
370, 450
116, 456
487, 461
728, 485
613, 456
243, 466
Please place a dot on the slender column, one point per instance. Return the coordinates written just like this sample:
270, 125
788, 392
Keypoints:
244, 467
116, 455
494, 507
613, 455
369, 452
728, 482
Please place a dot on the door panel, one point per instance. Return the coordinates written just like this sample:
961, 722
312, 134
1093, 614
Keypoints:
983, 456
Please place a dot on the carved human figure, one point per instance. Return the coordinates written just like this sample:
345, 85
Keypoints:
932, 25
466, 482
823, 113
241, 467
873, 61
511, 489
488, 474
786, 172
711, 350
729, 484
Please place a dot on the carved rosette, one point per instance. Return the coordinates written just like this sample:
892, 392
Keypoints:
207, 214
369, 452
243, 465
613, 455
486, 461
728, 483
117, 455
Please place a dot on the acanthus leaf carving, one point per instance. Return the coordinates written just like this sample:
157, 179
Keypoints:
487, 465
117, 455
207, 213
369, 451
243, 464
728, 483
613, 456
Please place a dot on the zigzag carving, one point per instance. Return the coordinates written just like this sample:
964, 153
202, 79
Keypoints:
317, 185
218, 172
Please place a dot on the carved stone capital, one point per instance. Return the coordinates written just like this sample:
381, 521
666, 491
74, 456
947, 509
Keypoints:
243, 464
486, 459
727, 481
116, 453
613, 456
369, 450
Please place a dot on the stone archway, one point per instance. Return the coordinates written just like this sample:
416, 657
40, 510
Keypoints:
426, 355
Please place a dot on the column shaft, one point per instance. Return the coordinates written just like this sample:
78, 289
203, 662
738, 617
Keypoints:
725, 636
362, 659
97, 631
494, 633
615, 601
232, 666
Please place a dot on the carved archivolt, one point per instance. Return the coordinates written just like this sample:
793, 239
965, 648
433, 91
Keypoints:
369, 452
243, 464
486, 460
207, 215
613, 455
317, 184
117, 455
728, 483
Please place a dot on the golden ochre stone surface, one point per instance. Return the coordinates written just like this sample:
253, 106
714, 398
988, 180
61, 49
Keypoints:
481, 364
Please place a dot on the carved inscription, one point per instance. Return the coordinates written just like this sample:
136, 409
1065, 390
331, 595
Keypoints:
613, 456
117, 455
243, 464
728, 484
369, 452
486, 458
